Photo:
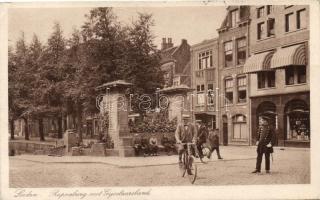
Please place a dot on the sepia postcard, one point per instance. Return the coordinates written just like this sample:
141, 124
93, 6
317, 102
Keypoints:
160, 100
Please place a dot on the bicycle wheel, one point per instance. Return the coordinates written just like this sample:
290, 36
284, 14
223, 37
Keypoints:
182, 166
191, 169
205, 153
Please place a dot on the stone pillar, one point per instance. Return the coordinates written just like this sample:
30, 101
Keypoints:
116, 105
179, 103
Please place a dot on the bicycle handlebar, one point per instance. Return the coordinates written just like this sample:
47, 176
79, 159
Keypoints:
187, 143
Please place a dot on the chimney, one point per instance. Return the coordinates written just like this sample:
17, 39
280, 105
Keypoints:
164, 44
184, 41
170, 44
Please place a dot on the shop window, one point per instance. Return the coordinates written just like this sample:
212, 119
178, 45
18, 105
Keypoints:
240, 127
260, 12
260, 30
297, 120
228, 54
301, 19
266, 79
289, 22
270, 9
228, 91
242, 89
205, 60
234, 18
270, 27
241, 52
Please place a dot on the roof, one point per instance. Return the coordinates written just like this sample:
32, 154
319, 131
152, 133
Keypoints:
176, 88
117, 83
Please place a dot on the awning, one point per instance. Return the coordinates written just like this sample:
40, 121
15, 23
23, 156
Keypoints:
293, 55
258, 62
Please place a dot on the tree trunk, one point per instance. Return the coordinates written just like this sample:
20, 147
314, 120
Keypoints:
12, 129
60, 133
41, 132
26, 129
79, 121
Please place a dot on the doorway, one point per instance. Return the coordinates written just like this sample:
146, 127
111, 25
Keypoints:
225, 129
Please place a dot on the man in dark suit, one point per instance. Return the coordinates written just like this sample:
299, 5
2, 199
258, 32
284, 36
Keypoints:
185, 132
213, 140
265, 142
202, 137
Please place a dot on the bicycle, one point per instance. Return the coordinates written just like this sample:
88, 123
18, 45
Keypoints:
188, 165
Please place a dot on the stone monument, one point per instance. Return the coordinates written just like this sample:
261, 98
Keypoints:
179, 102
116, 105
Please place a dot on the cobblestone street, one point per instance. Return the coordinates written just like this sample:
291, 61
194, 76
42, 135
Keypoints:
289, 166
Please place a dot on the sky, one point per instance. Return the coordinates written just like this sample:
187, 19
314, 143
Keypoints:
194, 23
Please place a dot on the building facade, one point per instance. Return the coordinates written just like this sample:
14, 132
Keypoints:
233, 48
278, 70
175, 63
204, 81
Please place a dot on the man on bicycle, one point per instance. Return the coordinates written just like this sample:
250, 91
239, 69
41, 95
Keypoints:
186, 132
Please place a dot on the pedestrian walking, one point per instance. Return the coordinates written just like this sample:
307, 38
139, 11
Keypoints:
202, 137
213, 140
265, 142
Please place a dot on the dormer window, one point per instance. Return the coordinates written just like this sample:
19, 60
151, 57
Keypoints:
234, 18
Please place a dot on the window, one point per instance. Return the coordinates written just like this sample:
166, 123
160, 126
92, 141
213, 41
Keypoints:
210, 94
301, 19
240, 127
200, 94
301, 73
234, 18
228, 54
260, 30
270, 9
289, 22
270, 27
260, 12
296, 75
205, 60
228, 91
290, 76
266, 79
241, 53
242, 90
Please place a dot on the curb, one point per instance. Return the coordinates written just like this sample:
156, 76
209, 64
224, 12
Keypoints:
124, 166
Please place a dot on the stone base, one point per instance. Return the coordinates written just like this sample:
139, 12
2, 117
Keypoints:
125, 152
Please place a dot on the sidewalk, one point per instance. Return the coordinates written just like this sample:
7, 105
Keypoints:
228, 153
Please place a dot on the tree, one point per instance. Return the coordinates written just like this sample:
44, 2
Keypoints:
20, 78
47, 85
143, 58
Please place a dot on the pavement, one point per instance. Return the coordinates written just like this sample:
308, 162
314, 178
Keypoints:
229, 153
289, 166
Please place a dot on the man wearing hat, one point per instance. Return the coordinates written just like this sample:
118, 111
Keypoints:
186, 132
202, 136
265, 142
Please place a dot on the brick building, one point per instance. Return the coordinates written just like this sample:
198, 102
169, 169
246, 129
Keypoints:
233, 48
278, 68
175, 63
204, 66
